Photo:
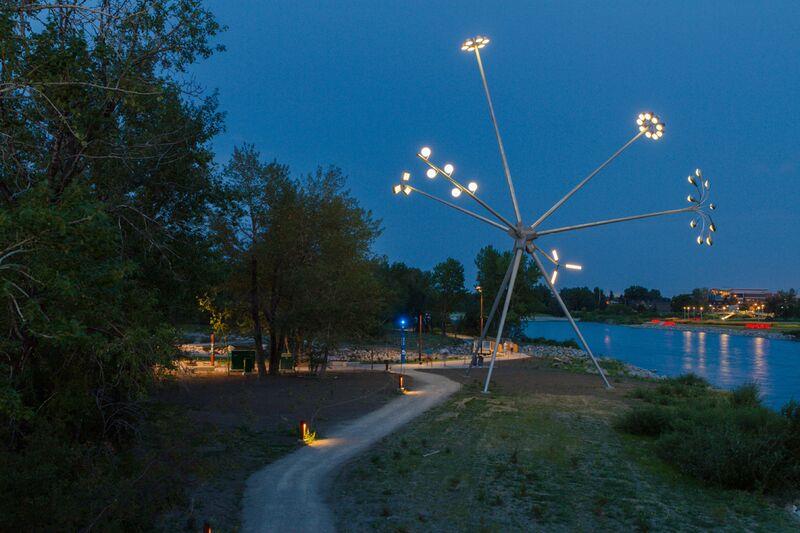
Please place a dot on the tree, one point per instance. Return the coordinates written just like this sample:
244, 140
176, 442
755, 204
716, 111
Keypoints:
701, 296
600, 298
579, 298
784, 304
407, 290
529, 296
105, 179
448, 284
679, 301
337, 293
253, 191
300, 255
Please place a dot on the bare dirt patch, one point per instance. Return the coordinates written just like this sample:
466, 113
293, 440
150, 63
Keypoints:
205, 435
534, 376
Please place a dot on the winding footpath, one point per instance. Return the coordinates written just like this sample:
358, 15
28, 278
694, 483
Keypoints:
289, 494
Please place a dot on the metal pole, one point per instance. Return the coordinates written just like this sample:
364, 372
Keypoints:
514, 270
459, 208
585, 181
569, 317
419, 339
466, 191
497, 134
615, 220
489, 319
481, 294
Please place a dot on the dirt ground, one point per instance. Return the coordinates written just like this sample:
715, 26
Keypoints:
269, 404
205, 435
537, 377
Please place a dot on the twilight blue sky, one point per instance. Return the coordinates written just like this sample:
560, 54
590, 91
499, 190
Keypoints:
363, 85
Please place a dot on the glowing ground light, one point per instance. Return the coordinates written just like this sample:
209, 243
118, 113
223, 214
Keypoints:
306, 435
649, 125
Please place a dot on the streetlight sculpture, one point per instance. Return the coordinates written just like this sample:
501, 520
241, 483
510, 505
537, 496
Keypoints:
525, 237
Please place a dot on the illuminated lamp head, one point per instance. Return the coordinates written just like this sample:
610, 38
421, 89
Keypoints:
650, 125
474, 43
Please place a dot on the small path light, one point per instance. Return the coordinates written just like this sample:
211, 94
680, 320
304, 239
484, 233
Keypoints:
401, 383
648, 125
306, 435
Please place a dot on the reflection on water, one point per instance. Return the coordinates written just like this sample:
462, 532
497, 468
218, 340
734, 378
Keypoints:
725, 360
687, 351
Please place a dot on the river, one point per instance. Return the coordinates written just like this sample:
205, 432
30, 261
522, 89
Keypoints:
725, 360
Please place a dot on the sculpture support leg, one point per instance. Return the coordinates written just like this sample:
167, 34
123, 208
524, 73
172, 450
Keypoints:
569, 317
509, 293
489, 319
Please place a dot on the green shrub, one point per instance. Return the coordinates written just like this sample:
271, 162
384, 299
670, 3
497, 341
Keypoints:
746, 395
727, 449
649, 420
725, 439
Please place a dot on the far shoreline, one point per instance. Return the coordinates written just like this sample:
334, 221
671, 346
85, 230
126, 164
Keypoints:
720, 330
765, 334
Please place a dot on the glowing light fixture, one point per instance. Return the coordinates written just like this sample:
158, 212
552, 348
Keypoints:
475, 43
649, 125
553, 258
397, 189
306, 435
406, 176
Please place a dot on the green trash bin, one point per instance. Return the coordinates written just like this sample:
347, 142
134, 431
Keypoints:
249, 362
287, 362
243, 360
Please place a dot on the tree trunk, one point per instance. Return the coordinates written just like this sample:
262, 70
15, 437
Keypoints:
255, 315
274, 351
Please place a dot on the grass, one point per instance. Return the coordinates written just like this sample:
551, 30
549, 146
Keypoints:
522, 462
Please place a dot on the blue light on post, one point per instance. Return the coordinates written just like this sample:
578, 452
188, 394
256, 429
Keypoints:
402, 341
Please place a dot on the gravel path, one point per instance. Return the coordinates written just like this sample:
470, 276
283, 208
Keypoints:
288, 495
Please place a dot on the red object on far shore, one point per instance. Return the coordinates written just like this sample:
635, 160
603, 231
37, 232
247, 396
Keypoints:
655, 321
668, 323
758, 325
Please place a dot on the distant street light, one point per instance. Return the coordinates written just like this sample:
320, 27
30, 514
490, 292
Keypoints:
480, 292
524, 237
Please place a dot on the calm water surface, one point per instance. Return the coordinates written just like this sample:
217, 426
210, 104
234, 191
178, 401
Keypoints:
725, 360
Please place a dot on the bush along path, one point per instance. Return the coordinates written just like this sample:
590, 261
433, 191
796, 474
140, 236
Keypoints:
288, 495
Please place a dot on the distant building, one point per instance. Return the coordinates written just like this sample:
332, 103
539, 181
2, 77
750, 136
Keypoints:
739, 296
